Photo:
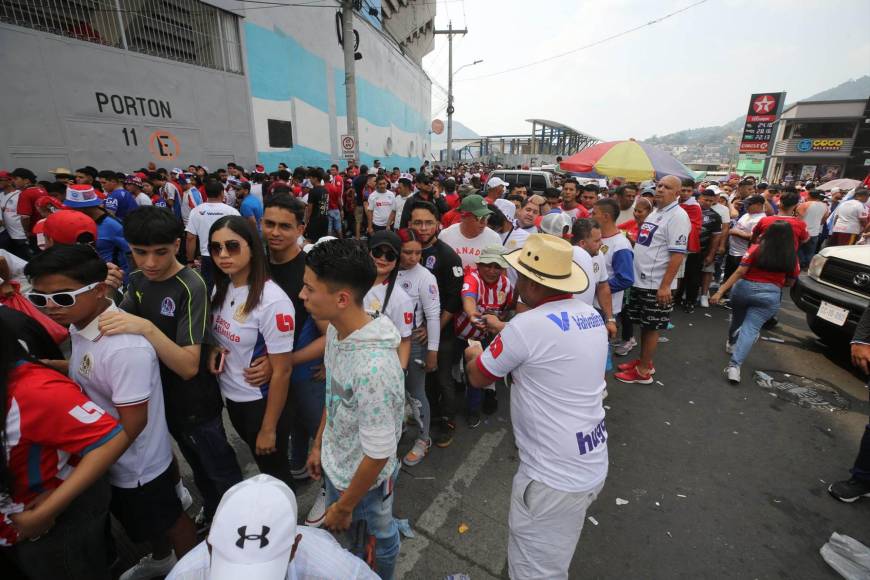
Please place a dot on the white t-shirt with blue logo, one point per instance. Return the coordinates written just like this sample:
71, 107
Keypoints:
556, 353
665, 232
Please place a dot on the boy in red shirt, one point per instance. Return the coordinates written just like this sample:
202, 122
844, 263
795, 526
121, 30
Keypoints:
487, 296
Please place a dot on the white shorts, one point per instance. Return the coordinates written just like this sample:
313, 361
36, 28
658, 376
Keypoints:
545, 526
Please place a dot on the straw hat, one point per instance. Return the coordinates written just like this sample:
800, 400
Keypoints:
548, 260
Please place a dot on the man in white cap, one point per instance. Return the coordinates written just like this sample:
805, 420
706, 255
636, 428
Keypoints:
254, 535
512, 237
495, 189
556, 353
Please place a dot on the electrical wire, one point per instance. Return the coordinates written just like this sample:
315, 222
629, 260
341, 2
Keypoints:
584, 47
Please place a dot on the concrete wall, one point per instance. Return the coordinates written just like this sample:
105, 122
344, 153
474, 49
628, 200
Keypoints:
296, 72
72, 103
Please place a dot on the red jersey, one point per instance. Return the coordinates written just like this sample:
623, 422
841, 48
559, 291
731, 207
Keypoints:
696, 217
50, 423
452, 200
578, 212
27, 203
451, 217
765, 276
491, 299
798, 228
334, 190
631, 229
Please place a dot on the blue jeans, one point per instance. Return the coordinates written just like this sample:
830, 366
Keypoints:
807, 250
752, 304
415, 386
211, 458
308, 398
376, 509
334, 220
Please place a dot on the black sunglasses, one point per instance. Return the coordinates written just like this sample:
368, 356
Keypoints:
386, 253
233, 248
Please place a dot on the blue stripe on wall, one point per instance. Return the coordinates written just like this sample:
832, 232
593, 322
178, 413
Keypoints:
311, 157
379, 106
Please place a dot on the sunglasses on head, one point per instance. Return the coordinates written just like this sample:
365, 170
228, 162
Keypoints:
62, 299
386, 253
233, 247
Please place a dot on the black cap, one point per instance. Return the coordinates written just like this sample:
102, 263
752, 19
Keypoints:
385, 238
24, 174
752, 200
423, 178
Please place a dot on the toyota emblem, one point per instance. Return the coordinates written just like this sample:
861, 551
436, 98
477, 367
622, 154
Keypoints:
861, 280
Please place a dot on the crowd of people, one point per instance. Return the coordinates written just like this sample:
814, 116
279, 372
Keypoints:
329, 312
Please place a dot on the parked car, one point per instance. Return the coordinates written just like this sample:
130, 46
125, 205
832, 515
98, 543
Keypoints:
536, 181
834, 291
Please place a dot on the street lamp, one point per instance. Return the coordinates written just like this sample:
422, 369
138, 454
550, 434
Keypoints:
450, 104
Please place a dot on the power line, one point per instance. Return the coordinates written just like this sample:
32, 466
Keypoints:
596, 43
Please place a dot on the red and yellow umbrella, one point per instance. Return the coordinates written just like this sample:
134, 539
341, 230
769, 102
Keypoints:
631, 160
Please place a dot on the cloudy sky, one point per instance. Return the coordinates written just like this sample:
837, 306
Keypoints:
696, 68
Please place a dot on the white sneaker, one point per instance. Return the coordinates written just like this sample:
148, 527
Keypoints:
705, 301
625, 348
418, 452
733, 374
315, 517
729, 348
184, 496
148, 568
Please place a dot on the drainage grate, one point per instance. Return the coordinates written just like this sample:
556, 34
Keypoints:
802, 391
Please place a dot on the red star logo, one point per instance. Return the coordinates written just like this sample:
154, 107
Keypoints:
764, 104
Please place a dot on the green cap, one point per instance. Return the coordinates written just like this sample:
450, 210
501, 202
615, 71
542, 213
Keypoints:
493, 255
476, 205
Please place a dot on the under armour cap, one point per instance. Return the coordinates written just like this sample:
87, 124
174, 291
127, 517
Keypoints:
496, 182
556, 224
253, 530
81, 196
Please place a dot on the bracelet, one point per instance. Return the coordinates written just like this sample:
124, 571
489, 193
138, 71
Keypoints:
611, 319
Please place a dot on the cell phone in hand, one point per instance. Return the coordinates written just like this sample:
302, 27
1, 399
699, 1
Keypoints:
222, 358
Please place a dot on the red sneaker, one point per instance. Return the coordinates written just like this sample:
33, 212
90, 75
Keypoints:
633, 376
633, 364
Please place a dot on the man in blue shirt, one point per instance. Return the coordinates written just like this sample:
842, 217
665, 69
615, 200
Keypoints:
250, 207
119, 201
111, 245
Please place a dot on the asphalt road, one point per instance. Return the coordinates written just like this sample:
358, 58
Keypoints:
721, 481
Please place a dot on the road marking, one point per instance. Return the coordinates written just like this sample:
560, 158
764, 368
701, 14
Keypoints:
435, 516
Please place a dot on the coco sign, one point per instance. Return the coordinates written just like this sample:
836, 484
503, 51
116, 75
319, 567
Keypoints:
806, 145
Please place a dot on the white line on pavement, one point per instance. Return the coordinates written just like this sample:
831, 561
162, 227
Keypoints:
431, 520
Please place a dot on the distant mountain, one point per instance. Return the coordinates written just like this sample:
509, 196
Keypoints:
718, 144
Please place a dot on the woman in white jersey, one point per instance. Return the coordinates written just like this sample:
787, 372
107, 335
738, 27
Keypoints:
251, 317
422, 287
385, 297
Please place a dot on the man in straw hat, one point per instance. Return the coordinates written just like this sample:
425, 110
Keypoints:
556, 353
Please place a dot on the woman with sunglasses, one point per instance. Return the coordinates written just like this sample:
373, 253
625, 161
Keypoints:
422, 287
385, 297
251, 317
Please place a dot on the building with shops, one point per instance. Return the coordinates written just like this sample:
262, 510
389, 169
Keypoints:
822, 140
121, 83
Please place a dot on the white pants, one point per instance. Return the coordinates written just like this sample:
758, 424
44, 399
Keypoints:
545, 526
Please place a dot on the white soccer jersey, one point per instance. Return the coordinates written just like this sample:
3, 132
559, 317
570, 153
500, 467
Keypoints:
665, 232
556, 354
422, 288
400, 308
268, 329
381, 205
202, 217
595, 271
122, 371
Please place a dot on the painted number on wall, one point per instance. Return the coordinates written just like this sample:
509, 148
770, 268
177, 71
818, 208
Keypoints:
130, 137
164, 145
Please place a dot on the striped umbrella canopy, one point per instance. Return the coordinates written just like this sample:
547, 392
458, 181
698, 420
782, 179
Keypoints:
631, 160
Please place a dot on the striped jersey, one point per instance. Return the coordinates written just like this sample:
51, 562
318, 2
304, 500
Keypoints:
491, 299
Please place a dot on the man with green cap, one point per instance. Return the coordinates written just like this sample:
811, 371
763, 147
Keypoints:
470, 236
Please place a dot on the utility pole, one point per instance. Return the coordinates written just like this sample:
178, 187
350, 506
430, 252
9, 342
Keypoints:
450, 32
347, 43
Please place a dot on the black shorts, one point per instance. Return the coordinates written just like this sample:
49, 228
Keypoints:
147, 512
643, 308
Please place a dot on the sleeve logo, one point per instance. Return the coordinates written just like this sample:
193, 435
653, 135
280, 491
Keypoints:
88, 413
457, 271
496, 347
646, 232
284, 322
409, 317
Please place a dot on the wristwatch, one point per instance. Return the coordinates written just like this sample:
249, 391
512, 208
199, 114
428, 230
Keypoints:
611, 319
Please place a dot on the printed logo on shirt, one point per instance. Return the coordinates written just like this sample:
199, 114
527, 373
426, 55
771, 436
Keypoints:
409, 317
86, 365
239, 315
167, 307
111, 203
681, 241
284, 322
646, 232
406, 285
457, 271
430, 262
465, 286
595, 267
563, 321
604, 249
501, 297
589, 441
88, 413
433, 289
496, 347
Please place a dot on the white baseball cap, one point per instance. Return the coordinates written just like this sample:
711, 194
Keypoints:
556, 224
253, 530
496, 182
507, 208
